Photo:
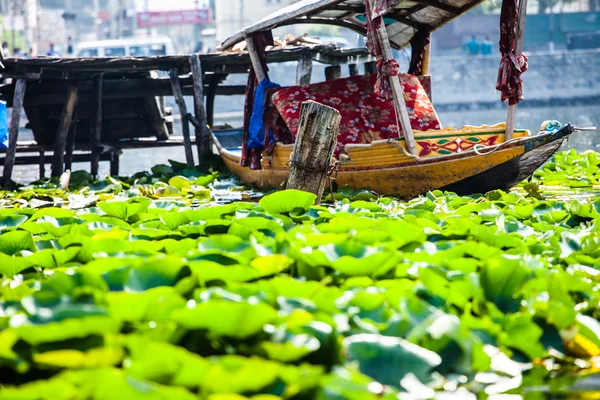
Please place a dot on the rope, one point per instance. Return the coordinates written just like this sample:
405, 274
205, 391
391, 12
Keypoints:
331, 170
404, 151
492, 149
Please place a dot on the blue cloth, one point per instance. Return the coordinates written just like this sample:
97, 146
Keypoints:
256, 130
3, 126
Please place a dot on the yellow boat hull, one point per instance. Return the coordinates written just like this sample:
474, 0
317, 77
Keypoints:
385, 167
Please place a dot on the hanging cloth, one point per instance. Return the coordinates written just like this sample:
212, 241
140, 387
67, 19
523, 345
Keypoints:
509, 81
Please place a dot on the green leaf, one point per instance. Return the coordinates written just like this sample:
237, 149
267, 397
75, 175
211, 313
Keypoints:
287, 200
388, 359
14, 242
225, 318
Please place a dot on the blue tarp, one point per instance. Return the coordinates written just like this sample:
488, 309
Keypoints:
256, 130
3, 126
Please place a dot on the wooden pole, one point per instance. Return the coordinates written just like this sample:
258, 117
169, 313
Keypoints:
71, 144
426, 59
353, 69
259, 71
211, 93
96, 123
13, 131
317, 133
304, 69
512, 108
398, 93
202, 132
333, 72
178, 94
63, 130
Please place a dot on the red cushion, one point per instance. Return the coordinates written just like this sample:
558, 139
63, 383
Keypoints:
365, 116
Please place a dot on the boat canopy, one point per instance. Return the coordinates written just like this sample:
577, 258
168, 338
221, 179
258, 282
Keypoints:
403, 20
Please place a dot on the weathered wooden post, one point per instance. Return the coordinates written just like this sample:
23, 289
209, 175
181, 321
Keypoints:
304, 69
333, 72
185, 126
60, 143
13, 130
96, 122
310, 162
202, 131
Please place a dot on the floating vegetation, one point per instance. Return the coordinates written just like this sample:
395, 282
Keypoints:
147, 288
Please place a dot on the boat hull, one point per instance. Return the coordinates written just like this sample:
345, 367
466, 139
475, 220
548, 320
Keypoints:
385, 168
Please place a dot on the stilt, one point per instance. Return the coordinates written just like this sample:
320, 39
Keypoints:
370, 68
178, 94
317, 133
114, 163
202, 132
333, 72
42, 164
13, 131
71, 144
304, 69
353, 69
63, 130
96, 122
210, 103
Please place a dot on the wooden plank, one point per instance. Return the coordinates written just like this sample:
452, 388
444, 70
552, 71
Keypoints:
511, 113
304, 69
317, 133
13, 131
202, 131
353, 69
333, 72
259, 71
96, 122
63, 130
398, 93
177, 93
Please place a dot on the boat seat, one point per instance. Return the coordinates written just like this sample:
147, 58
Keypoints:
365, 116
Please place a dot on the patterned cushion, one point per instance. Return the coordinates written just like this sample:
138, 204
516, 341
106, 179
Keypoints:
365, 116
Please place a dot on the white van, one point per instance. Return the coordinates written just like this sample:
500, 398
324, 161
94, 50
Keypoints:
130, 47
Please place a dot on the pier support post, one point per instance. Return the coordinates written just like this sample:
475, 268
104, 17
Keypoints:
353, 69
310, 162
304, 69
333, 72
178, 94
60, 143
13, 130
202, 131
96, 123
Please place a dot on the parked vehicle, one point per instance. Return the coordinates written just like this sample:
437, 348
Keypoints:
130, 47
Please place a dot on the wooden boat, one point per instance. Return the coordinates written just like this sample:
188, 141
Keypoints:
466, 160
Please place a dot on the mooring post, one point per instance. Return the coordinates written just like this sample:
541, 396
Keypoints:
13, 130
317, 135
178, 94
60, 143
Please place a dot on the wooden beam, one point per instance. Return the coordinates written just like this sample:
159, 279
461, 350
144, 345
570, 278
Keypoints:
426, 60
398, 93
202, 132
178, 94
511, 113
304, 69
63, 130
96, 122
259, 71
13, 131
211, 93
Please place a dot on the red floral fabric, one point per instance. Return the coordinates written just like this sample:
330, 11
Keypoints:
365, 116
